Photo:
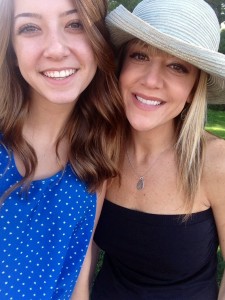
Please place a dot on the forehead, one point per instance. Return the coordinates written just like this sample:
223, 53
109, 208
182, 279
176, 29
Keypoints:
43, 7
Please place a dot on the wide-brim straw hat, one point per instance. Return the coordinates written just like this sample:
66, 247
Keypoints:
188, 29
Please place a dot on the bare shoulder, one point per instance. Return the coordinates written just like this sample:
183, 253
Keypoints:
213, 181
214, 169
215, 152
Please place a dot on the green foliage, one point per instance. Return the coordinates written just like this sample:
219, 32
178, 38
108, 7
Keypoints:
220, 267
220, 107
129, 4
216, 122
219, 8
222, 41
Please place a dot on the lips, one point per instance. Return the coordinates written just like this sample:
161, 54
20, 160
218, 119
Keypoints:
59, 74
148, 101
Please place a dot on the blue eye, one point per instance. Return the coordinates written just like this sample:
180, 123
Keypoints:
28, 28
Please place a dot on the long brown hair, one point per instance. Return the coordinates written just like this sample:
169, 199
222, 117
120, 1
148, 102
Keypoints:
95, 126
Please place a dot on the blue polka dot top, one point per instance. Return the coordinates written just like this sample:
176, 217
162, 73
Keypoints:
44, 234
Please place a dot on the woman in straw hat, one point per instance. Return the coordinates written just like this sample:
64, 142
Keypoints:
164, 217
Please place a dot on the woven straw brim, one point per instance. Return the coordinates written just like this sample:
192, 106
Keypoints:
124, 26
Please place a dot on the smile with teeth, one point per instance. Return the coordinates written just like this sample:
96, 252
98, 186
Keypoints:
148, 102
59, 74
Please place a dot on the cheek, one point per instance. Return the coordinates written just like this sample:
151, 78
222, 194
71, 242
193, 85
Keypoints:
91, 67
124, 79
188, 93
131, 75
85, 50
184, 91
25, 54
89, 63
191, 86
122, 88
89, 56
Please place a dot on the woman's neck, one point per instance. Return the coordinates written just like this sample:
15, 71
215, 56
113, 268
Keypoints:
46, 121
153, 141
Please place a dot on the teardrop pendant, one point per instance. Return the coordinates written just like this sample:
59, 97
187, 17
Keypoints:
140, 184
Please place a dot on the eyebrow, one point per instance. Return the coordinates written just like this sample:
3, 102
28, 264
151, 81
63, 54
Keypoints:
38, 16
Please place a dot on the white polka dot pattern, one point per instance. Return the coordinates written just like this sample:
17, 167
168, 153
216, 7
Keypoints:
44, 234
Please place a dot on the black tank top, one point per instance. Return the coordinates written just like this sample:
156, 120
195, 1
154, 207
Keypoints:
156, 257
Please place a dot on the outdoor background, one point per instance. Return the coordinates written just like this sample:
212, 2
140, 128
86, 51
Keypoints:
216, 113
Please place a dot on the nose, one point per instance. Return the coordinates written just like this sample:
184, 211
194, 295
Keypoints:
56, 46
153, 76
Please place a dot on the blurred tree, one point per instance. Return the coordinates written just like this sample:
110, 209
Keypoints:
217, 5
222, 41
129, 4
219, 8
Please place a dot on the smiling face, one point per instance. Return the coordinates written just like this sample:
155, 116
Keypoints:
155, 86
53, 52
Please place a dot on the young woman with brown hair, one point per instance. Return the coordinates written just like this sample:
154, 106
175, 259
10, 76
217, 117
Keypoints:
61, 127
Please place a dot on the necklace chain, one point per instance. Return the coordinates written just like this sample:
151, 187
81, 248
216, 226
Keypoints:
140, 183
141, 178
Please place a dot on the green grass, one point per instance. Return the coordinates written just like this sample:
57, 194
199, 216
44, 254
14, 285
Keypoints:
220, 266
216, 122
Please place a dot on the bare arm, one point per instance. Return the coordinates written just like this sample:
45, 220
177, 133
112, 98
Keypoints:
219, 213
222, 289
82, 288
220, 221
215, 174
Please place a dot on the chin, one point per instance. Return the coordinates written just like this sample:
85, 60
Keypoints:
62, 100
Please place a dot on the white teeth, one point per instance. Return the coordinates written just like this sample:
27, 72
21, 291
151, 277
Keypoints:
59, 74
149, 102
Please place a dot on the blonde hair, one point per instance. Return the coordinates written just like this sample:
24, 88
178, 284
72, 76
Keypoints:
190, 143
189, 147
94, 128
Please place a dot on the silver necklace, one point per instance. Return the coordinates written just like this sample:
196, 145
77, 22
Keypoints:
141, 178
141, 182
